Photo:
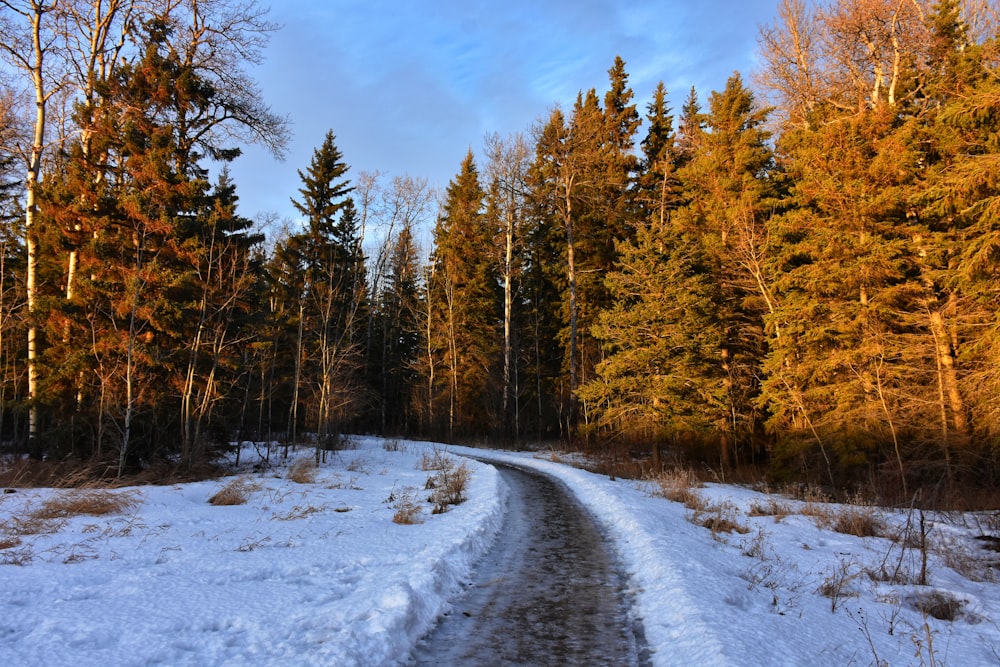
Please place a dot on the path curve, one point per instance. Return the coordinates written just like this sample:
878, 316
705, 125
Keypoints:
548, 592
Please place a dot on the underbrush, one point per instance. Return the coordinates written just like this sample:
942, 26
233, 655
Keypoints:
27, 473
52, 514
448, 486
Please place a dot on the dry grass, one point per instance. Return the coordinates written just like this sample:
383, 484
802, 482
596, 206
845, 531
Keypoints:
95, 502
720, 518
236, 492
29, 524
942, 606
448, 487
678, 485
298, 512
821, 513
757, 546
75, 474
9, 541
860, 521
436, 460
973, 564
22, 556
303, 471
771, 507
838, 583
393, 445
408, 510
50, 516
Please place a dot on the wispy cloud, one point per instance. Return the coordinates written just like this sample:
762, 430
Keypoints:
409, 86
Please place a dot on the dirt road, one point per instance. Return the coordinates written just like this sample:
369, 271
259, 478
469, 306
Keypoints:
548, 593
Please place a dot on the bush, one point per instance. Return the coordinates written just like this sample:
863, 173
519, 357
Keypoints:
678, 485
407, 509
448, 487
437, 460
236, 492
303, 471
942, 606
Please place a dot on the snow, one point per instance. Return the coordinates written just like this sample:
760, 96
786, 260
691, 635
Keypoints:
318, 573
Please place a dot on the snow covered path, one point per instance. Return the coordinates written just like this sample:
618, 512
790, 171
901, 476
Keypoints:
316, 572
547, 588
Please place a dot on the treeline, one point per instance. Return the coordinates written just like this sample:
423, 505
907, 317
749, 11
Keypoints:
804, 279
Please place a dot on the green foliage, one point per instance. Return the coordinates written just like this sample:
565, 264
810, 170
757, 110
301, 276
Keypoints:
464, 307
821, 299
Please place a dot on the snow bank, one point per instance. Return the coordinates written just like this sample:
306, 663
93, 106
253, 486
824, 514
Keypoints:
305, 574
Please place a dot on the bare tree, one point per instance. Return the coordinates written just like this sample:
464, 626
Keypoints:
507, 170
29, 43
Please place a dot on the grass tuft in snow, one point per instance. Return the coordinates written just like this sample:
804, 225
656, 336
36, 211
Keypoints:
939, 604
448, 487
719, 518
95, 502
678, 485
838, 585
303, 471
236, 492
407, 508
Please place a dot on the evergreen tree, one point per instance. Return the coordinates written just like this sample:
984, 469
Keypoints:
730, 186
135, 198
659, 381
659, 187
464, 304
327, 258
397, 335
583, 204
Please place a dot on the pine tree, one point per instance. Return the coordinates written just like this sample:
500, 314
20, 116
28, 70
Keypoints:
134, 197
464, 305
397, 335
729, 179
658, 184
331, 291
659, 381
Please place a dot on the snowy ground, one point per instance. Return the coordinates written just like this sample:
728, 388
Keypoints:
318, 572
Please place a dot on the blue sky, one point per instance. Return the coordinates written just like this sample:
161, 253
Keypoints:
409, 86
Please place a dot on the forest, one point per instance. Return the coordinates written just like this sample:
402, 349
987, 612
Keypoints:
796, 274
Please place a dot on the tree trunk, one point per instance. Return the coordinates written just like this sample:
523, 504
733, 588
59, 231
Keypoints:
571, 280
949, 393
31, 232
293, 410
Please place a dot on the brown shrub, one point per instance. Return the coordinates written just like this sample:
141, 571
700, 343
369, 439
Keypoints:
236, 492
942, 606
303, 471
448, 487
407, 509
858, 521
96, 502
